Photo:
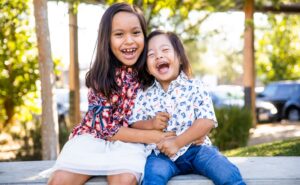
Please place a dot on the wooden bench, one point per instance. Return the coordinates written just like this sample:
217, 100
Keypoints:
255, 171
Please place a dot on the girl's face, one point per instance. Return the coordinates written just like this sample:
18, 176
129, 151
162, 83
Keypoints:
162, 60
127, 38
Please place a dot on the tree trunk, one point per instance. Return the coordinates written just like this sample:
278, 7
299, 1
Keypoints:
74, 69
50, 145
249, 64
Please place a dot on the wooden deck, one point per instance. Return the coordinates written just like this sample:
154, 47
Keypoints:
255, 171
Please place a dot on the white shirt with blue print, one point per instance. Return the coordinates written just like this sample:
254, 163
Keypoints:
186, 100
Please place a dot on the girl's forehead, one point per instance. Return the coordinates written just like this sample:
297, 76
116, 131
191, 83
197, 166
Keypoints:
125, 19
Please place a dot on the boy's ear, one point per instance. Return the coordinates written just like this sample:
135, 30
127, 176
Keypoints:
148, 70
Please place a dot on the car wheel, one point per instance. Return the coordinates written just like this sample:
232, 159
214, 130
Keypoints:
293, 114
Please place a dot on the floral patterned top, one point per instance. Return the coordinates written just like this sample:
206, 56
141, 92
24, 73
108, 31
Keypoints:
105, 116
186, 100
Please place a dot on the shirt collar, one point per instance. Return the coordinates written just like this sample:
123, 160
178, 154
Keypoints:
129, 72
182, 79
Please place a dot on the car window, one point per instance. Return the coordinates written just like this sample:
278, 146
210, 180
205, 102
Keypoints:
286, 90
270, 90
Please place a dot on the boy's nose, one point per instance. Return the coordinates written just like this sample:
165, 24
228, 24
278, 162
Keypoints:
159, 56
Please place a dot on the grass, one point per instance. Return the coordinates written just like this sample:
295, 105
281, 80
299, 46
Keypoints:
290, 147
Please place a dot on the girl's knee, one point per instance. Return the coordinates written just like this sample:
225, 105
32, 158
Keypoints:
57, 178
128, 179
67, 178
124, 179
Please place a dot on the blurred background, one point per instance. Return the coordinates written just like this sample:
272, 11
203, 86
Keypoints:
246, 52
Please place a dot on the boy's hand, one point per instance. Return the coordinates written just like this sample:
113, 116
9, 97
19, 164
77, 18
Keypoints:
168, 146
160, 120
199, 141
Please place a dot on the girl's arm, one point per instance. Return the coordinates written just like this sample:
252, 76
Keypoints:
159, 122
127, 134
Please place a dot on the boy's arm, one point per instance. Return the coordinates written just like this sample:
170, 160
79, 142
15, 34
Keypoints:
143, 124
199, 128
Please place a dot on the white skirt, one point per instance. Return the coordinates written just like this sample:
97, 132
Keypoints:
87, 155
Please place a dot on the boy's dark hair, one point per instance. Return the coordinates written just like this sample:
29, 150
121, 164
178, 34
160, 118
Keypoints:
179, 50
101, 76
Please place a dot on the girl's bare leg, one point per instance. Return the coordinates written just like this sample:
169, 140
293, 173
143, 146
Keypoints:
124, 179
61, 177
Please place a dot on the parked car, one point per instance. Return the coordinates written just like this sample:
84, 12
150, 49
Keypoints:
279, 100
227, 95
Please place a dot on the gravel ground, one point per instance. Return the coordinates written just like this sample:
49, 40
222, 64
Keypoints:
264, 133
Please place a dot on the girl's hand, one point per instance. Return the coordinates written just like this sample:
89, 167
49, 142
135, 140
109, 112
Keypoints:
168, 146
159, 135
160, 120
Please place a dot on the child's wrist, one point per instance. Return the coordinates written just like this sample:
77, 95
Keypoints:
179, 142
152, 124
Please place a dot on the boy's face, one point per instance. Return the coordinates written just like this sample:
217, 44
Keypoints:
127, 38
162, 61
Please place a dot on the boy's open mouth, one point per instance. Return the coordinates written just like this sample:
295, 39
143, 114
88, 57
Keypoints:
162, 67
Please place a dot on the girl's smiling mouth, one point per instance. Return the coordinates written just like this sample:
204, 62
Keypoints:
129, 53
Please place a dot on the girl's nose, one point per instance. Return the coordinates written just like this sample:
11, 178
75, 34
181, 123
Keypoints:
129, 39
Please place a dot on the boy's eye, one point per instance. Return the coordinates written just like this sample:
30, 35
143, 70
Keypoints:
150, 55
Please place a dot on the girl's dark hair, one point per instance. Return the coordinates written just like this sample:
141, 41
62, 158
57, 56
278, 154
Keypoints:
101, 76
179, 50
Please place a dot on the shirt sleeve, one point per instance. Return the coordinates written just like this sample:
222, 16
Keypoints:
100, 116
203, 106
139, 108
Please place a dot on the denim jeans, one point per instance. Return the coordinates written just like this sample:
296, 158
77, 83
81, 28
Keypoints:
203, 160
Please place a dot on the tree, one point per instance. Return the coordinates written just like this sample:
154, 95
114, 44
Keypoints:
50, 144
278, 50
18, 66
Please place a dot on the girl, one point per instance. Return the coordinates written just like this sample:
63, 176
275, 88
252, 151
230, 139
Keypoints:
100, 145
180, 104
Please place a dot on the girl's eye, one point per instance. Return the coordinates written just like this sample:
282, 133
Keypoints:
165, 49
118, 34
136, 32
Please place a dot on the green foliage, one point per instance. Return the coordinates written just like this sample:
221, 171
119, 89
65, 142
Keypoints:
289, 147
181, 17
18, 58
233, 128
278, 51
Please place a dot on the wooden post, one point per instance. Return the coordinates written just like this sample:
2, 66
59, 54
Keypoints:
50, 146
249, 64
74, 69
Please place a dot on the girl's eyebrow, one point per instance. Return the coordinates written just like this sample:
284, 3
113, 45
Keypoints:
120, 29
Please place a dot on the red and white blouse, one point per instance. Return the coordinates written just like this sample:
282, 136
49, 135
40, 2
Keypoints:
105, 116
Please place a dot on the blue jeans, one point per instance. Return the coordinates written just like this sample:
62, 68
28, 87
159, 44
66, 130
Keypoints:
203, 160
